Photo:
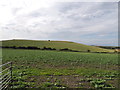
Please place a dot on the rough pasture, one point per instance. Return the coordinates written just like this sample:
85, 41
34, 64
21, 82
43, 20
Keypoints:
55, 69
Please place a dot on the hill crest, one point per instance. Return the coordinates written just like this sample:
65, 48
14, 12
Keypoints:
53, 44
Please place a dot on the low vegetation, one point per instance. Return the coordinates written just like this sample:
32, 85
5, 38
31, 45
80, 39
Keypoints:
56, 69
37, 44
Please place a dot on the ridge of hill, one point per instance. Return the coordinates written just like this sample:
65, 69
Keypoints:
53, 44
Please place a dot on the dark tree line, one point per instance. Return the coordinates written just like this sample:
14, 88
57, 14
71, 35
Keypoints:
46, 48
66, 49
109, 47
29, 47
37, 48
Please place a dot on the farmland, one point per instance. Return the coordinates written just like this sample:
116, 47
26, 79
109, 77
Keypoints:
56, 69
53, 44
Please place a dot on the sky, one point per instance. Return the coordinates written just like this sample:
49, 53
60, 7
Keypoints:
91, 23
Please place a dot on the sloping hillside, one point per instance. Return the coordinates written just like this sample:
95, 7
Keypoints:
53, 44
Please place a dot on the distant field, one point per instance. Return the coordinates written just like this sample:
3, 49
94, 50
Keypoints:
55, 69
59, 57
54, 44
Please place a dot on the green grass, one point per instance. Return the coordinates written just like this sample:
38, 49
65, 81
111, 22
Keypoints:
58, 57
31, 65
54, 44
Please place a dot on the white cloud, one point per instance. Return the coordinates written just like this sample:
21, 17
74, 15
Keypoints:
37, 19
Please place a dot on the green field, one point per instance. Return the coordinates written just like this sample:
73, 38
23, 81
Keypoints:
56, 69
54, 44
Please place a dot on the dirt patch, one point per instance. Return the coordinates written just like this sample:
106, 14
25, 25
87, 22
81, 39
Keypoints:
71, 81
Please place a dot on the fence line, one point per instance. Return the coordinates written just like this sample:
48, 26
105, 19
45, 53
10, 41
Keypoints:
5, 75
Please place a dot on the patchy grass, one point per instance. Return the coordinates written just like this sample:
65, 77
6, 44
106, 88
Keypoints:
53, 69
54, 44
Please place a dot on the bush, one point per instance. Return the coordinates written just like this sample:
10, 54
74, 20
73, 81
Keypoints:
88, 51
49, 48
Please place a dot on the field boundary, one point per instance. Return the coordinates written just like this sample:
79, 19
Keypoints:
5, 75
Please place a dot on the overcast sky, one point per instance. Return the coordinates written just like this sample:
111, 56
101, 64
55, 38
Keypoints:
91, 23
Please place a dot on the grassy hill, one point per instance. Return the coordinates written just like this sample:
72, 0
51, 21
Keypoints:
53, 44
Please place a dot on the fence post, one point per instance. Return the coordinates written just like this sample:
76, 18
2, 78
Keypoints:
11, 73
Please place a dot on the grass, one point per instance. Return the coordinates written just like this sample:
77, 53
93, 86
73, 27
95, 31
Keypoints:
54, 44
39, 69
57, 57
